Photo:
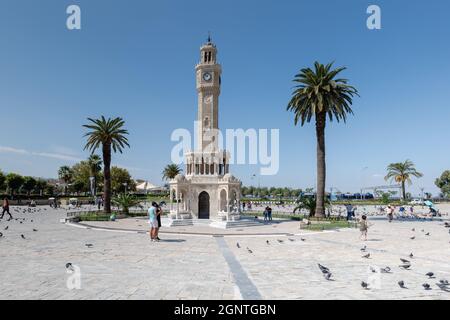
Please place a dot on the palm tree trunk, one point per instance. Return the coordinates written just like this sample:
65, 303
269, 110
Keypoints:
107, 177
321, 168
404, 190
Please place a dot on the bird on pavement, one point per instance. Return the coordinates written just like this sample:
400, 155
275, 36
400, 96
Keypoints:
364, 285
6, 228
280, 241
401, 283
412, 238
237, 245
69, 266
363, 249
327, 276
290, 239
267, 241
22, 236
411, 255
405, 266
427, 234
367, 256
430, 275
34, 230
385, 270
444, 282
89, 245
404, 260
1, 234
249, 251
323, 268
426, 286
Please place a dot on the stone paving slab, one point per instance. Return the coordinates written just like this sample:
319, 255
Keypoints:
128, 266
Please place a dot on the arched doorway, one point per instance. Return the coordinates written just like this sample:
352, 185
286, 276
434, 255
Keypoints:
203, 205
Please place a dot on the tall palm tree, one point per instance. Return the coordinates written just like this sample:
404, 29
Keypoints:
66, 175
401, 172
95, 166
109, 134
319, 94
171, 171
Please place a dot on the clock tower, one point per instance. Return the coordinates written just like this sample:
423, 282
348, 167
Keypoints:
208, 73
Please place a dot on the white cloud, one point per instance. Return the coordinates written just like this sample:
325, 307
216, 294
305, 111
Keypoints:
58, 156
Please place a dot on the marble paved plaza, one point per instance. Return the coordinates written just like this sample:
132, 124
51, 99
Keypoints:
126, 265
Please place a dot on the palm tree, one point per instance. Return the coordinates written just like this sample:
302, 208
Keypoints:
171, 171
109, 134
402, 172
66, 175
125, 201
318, 95
95, 166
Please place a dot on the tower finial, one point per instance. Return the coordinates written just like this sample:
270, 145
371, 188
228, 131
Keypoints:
209, 37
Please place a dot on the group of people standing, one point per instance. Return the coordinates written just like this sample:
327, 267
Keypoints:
268, 214
154, 216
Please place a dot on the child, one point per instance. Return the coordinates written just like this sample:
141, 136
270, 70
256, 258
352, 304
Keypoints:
363, 227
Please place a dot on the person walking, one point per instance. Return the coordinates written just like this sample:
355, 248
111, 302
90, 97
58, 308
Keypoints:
363, 227
350, 211
153, 221
390, 212
5, 207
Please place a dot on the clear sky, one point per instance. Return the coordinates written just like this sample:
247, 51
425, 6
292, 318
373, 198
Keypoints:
136, 59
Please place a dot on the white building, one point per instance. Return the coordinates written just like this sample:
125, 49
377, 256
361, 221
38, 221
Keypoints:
207, 190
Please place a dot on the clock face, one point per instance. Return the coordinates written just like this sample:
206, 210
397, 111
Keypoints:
207, 76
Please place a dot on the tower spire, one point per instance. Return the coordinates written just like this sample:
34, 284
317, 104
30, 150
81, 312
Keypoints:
209, 37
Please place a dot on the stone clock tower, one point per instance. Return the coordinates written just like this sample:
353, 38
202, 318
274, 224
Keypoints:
206, 190
208, 73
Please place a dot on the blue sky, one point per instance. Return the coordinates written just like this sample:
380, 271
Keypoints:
136, 59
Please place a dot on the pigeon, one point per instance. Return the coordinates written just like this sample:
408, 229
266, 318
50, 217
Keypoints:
373, 270
385, 270
31, 220
69, 266
6, 228
34, 230
426, 286
430, 275
444, 282
323, 268
412, 238
292, 240
427, 234
364, 285
367, 256
363, 249
411, 255
23, 237
443, 287
237, 245
249, 251
89, 245
401, 283
1, 234
405, 261
20, 222
303, 239
280, 241
413, 229
422, 230
327, 276
267, 241
405, 266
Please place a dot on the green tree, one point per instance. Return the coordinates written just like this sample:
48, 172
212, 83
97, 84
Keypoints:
2, 180
443, 183
81, 172
95, 165
29, 183
171, 171
66, 175
121, 180
320, 94
41, 185
401, 172
14, 182
125, 201
110, 135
